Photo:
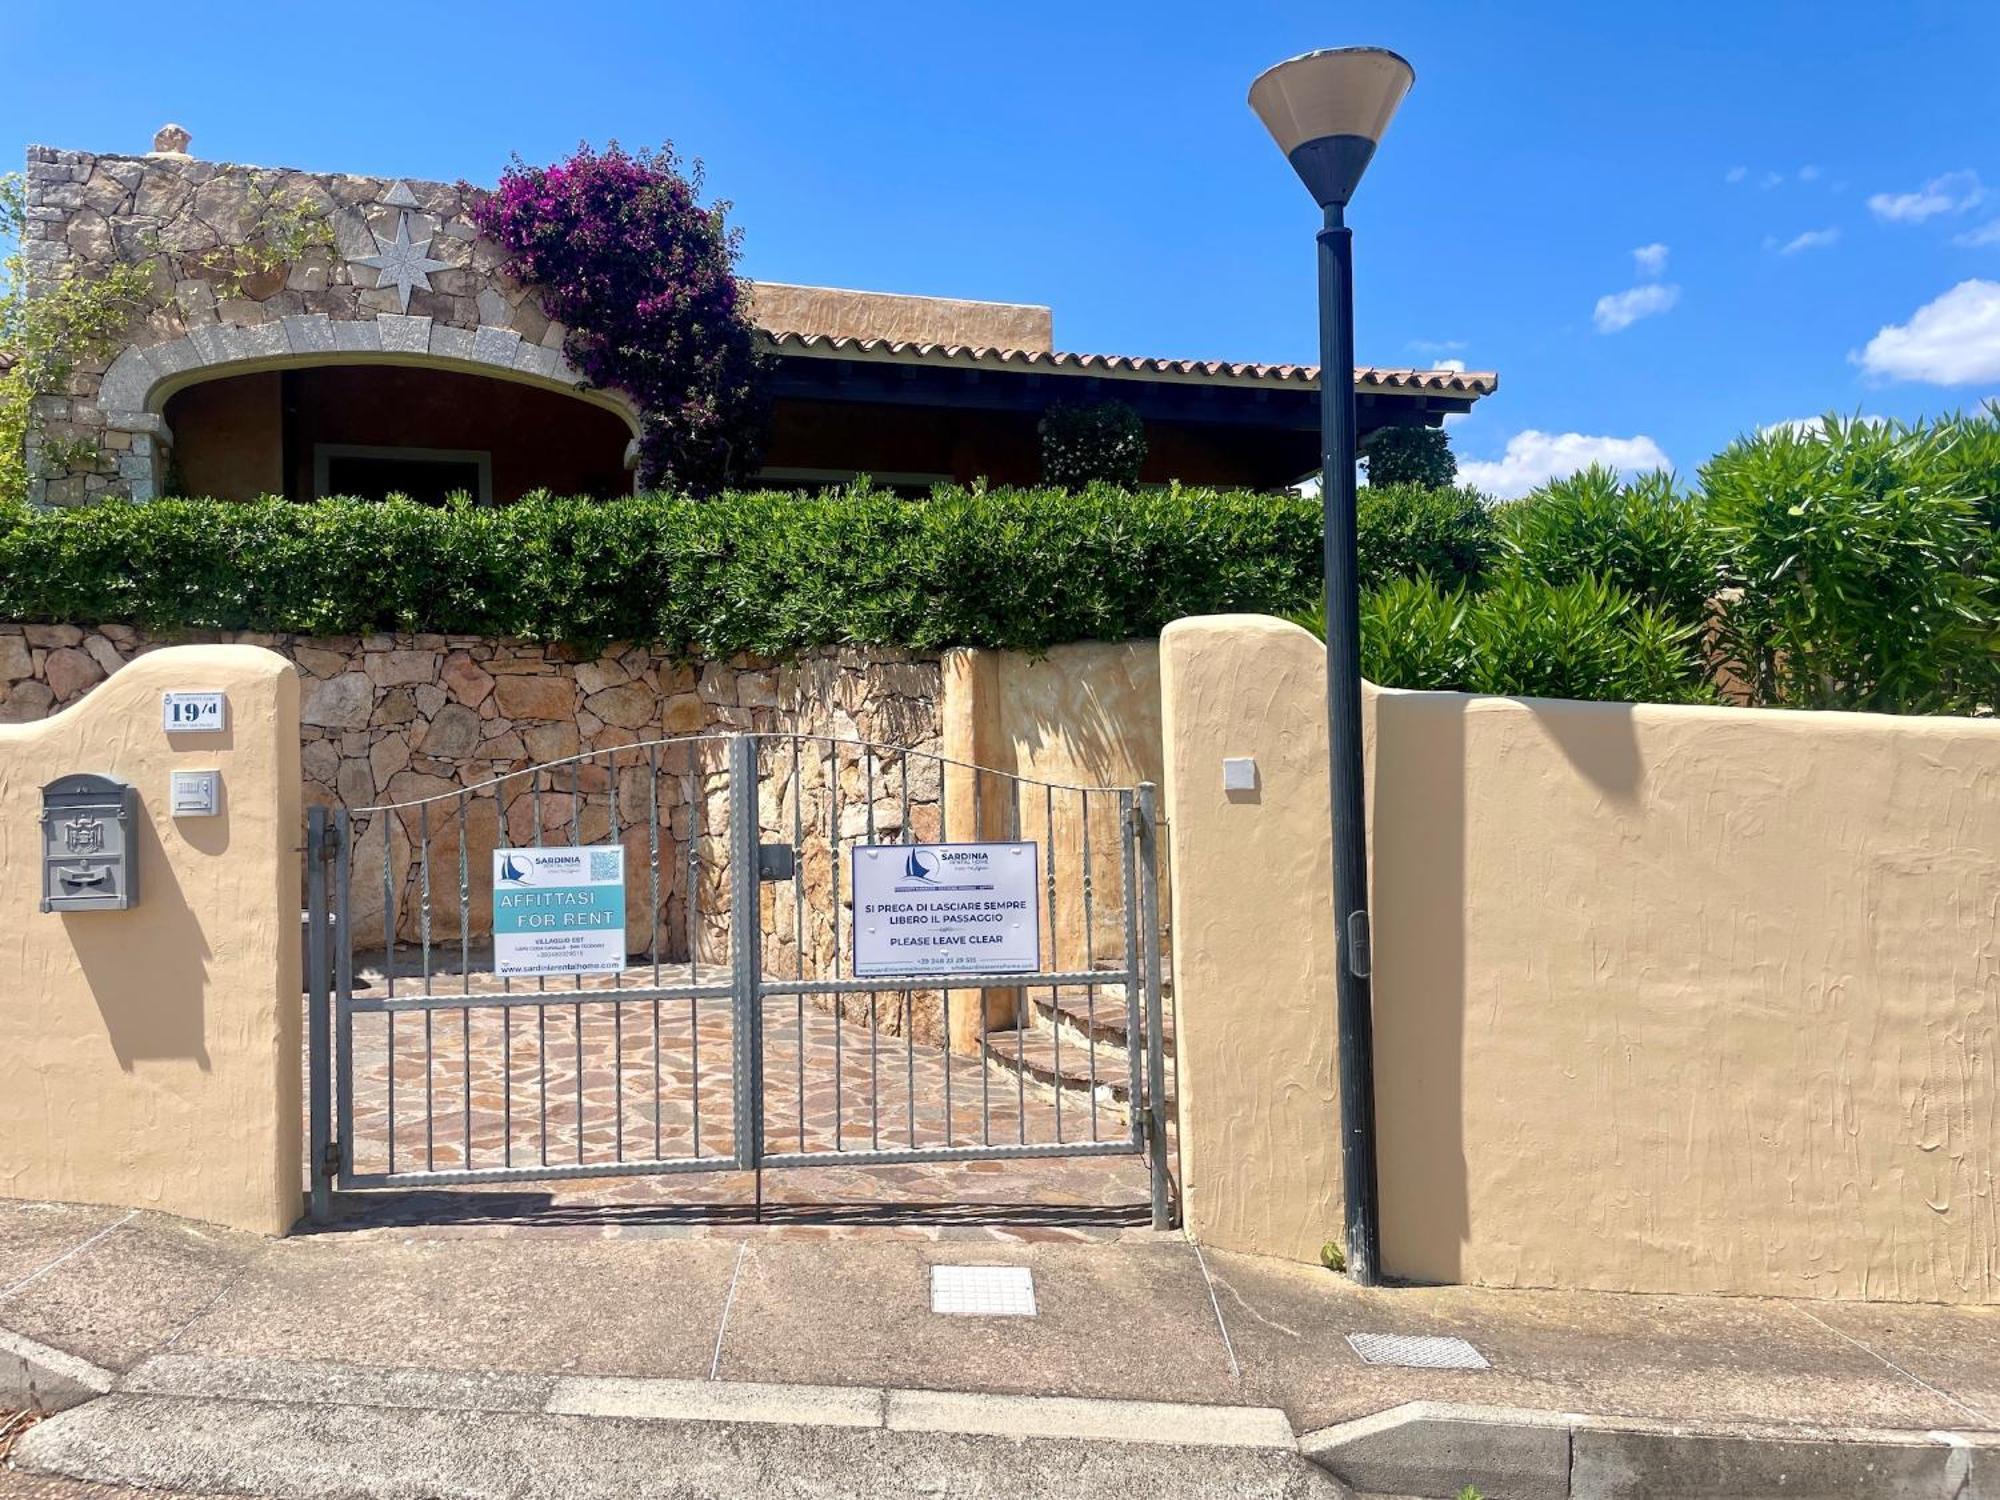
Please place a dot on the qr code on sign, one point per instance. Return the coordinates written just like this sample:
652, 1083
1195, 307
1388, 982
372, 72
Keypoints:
605, 864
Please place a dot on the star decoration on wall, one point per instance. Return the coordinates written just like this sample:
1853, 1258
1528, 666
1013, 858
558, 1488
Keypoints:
401, 262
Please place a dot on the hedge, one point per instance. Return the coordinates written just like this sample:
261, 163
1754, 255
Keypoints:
759, 572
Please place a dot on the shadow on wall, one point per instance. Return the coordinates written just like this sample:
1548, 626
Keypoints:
1418, 787
1599, 740
1087, 713
165, 1018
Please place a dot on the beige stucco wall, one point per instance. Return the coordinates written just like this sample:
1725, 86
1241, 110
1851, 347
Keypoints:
1667, 999
1083, 715
838, 312
150, 1057
1680, 999
1253, 953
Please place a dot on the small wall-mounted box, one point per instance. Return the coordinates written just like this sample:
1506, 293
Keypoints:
196, 794
89, 854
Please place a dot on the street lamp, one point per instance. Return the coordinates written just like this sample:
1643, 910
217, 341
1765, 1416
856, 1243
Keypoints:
1327, 111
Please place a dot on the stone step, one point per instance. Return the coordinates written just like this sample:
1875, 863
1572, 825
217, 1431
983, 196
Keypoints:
1073, 1012
1054, 1061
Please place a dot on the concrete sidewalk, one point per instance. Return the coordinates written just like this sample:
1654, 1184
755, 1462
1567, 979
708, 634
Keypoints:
166, 1315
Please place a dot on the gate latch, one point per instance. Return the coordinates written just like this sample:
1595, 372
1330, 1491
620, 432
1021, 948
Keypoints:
776, 861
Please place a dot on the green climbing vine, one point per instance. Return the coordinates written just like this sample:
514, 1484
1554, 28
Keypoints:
43, 338
78, 316
283, 231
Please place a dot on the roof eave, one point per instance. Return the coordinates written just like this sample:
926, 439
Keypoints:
1368, 379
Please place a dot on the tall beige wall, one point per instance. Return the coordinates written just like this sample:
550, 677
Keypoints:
1667, 999
150, 1057
1688, 999
1253, 953
1082, 716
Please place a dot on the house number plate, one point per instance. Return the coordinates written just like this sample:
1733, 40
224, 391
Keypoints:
193, 713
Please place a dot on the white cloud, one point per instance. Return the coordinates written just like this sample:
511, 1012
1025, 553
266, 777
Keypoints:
1651, 261
1974, 239
1735, 175
1623, 309
1808, 173
1534, 458
1952, 340
1812, 239
1437, 346
1952, 193
1771, 180
1448, 364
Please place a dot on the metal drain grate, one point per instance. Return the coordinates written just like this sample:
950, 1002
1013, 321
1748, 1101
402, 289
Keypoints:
983, 1291
1417, 1351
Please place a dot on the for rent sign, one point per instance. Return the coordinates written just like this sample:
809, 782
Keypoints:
559, 911
946, 909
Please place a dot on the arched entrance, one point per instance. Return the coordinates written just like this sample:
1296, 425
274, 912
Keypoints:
310, 405
370, 430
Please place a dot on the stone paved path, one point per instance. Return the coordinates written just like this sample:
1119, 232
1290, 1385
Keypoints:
640, 1095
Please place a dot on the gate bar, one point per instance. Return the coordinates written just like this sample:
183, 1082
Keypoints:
343, 991
1149, 926
1128, 893
319, 1071
746, 952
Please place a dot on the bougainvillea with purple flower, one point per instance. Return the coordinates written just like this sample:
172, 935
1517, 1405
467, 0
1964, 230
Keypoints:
643, 276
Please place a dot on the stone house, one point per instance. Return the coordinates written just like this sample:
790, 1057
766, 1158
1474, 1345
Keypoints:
310, 334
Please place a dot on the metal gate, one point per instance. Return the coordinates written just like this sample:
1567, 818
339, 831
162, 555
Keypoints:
737, 1036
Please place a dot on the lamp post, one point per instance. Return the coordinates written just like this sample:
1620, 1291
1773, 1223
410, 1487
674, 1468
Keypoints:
1327, 111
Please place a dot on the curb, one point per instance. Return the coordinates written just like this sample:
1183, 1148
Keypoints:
1087, 1419
1432, 1450
35, 1377
1425, 1450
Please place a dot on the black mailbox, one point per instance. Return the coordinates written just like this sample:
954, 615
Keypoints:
89, 858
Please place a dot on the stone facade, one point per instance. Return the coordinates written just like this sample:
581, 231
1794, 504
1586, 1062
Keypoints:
397, 719
219, 304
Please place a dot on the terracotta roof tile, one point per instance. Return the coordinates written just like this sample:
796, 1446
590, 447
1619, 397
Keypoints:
1472, 383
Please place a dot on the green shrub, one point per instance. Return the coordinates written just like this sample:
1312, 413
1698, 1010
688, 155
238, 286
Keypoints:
1525, 638
1405, 529
1095, 442
769, 573
1409, 455
1862, 561
1587, 639
1645, 537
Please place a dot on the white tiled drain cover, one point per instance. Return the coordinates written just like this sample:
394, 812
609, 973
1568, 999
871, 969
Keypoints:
1418, 1351
983, 1291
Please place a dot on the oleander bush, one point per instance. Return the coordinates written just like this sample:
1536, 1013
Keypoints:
1836, 564
1523, 637
1860, 564
1647, 537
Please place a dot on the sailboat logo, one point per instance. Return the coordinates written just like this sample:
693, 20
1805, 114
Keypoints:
514, 871
919, 866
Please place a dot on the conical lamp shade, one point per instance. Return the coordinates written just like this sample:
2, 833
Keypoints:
1327, 111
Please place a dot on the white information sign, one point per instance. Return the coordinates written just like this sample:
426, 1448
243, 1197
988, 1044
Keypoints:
559, 911
193, 713
946, 909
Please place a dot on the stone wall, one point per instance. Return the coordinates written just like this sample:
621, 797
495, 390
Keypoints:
397, 719
215, 308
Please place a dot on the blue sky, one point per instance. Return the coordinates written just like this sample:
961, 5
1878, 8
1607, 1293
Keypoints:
1824, 178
